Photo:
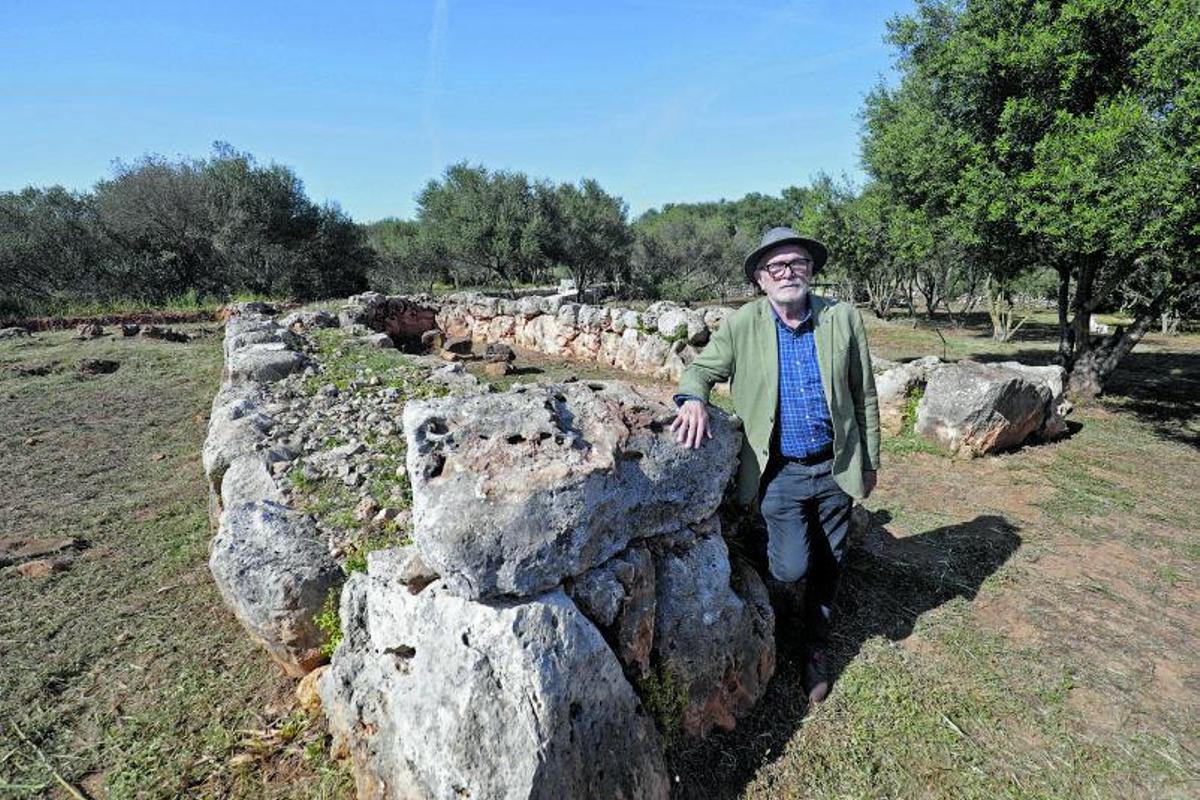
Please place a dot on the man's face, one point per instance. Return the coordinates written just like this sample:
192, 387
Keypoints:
784, 273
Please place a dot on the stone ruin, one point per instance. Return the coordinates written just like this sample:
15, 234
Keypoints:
566, 600
559, 599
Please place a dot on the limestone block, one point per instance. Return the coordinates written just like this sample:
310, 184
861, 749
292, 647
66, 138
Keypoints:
973, 409
273, 569
436, 696
514, 492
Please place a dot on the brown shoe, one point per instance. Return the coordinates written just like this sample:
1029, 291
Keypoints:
816, 675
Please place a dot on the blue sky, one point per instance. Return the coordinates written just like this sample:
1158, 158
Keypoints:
667, 101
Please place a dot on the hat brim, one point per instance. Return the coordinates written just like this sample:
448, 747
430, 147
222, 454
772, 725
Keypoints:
818, 251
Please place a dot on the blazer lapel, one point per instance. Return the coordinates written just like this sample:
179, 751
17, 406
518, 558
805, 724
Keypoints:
769, 347
823, 338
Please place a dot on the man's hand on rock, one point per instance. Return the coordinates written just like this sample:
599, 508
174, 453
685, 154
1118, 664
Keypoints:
691, 424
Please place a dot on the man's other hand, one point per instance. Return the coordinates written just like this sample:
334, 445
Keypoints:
870, 478
691, 424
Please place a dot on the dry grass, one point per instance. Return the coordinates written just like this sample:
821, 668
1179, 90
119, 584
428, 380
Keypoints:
126, 671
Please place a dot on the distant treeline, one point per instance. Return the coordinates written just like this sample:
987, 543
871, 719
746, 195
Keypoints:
1047, 150
219, 227
478, 227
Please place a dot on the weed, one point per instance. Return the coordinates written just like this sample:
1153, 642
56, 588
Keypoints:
908, 440
1168, 575
356, 558
329, 621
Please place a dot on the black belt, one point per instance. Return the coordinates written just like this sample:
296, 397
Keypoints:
811, 458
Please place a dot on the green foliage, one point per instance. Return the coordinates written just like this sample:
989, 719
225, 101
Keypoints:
908, 440
666, 698
158, 228
329, 621
1061, 135
484, 224
356, 558
588, 231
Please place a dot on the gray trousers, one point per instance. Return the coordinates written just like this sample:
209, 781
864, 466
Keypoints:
808, 526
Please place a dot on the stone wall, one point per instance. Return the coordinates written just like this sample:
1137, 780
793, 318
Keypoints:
658, 342
566, 600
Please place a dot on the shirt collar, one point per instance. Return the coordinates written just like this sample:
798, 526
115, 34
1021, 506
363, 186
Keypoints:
806, 322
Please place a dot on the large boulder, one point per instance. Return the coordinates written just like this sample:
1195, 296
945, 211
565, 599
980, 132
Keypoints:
683, 323
972, 409
436, 696
714, 632
236, 426
514, 492
273, 569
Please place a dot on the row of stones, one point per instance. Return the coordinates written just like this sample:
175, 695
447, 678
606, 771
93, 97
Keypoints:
658, 342
276, 430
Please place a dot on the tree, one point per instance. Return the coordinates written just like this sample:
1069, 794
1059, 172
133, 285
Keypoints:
158, 215
687, 253
159, 228
485, 223
1061, 134
587, 231
48, 245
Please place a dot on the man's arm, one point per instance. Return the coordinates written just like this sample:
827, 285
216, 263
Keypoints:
862, 389
712, 366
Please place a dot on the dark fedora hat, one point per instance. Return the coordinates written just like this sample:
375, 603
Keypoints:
781, 235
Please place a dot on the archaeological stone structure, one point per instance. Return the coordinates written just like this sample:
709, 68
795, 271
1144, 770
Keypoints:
532, 587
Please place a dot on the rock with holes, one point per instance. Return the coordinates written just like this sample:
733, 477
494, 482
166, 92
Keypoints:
274, 570
972, 409
514, 492
714, 632
436, 696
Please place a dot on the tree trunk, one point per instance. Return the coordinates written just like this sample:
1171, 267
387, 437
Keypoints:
1065, 344
999, 310
1093, 367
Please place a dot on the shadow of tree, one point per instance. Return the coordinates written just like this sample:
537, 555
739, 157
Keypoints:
888, 583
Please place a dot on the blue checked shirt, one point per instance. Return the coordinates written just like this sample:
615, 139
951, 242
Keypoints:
805, 427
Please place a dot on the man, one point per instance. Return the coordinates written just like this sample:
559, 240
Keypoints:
800, 376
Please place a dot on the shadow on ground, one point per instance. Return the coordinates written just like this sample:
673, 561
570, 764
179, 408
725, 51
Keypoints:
889, 583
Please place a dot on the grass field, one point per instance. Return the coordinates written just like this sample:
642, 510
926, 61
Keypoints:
1022, 625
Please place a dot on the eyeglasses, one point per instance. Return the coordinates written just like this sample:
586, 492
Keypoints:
779, 269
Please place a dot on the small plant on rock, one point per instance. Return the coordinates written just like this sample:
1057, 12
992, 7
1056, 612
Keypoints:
329, 621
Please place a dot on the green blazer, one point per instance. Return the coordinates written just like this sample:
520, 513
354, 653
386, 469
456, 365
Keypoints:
744, 351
